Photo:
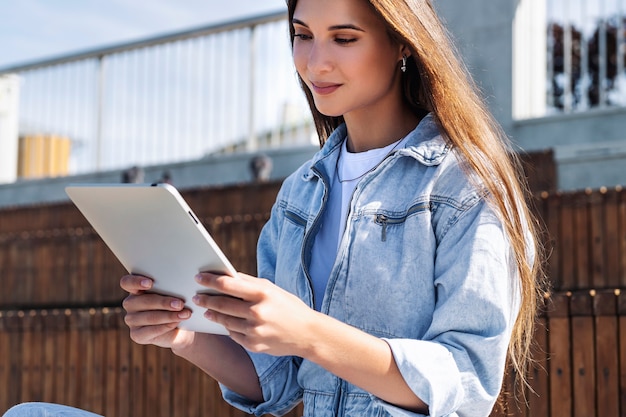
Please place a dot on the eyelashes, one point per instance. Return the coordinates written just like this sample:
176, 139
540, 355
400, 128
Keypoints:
339, 40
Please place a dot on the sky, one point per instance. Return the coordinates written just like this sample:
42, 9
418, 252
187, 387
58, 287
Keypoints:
32, 30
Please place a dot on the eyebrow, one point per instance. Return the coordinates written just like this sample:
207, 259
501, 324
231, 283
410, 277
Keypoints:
334, 27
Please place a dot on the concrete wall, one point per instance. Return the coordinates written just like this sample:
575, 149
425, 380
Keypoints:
211, 171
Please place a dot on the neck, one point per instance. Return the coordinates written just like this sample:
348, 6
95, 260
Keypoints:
367, 132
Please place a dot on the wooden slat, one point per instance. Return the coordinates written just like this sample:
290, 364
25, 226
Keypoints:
50, 351
582, 239
61, 367
73, 357
124, 369
29, 360
137, 380
539, 393
95, 366
561, 387
622, 236
180, 395
152, 383
611, 256
166, 360
5, 357
551, 220
567, 246
193, 407
597, 241
583, 355
621, 309
606, 341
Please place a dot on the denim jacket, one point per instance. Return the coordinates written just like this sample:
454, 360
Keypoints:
424, 263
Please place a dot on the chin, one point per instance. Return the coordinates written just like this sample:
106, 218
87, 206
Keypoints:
328, 112
331, 114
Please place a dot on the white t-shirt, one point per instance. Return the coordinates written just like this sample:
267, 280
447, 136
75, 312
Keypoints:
351, 167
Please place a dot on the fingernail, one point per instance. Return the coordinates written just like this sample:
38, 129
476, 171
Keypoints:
185, 314
146, 283
198, 278
195, 299
176, 304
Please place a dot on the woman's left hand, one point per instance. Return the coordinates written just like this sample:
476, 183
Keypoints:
259, 315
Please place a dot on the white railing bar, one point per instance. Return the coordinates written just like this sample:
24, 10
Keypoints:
567, 65
620, 52
252, 138
550, 65
152, 41
584, 60
98, 108
602, 58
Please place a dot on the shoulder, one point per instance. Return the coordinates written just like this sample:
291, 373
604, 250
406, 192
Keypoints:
443, 171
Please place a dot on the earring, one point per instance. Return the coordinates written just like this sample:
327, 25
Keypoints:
403, 67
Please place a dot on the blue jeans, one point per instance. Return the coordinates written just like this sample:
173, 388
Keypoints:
46, 410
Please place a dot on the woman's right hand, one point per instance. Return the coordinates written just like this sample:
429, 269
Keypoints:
153, 318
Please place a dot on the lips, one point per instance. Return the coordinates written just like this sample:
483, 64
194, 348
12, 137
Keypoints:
324, 88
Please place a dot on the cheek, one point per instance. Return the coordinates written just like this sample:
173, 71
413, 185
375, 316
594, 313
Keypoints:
383, 68
299, 56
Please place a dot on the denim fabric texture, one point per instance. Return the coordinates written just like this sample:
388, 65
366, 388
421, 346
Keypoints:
46, 410
424, 264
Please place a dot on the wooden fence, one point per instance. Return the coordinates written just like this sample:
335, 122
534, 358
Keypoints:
585, 239
579, 365
62, 338
50, 256
84, 357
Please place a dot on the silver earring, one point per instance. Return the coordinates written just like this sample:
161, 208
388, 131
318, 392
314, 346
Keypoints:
403, 67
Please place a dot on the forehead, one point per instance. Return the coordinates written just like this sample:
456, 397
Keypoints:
336, 12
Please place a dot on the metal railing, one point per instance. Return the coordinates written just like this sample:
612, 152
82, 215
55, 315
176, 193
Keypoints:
170, 98
585, 54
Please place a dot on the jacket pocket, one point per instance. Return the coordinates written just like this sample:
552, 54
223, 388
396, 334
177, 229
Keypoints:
385, 220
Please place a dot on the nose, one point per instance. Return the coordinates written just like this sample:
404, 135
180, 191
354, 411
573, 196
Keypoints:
319, 59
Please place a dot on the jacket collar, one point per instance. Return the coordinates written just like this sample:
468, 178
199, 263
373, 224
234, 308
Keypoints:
425, 143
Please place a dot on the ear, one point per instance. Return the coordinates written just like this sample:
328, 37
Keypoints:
405, 51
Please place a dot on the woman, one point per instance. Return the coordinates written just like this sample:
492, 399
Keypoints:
399, 262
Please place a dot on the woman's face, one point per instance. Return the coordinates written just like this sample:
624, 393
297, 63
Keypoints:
345, 56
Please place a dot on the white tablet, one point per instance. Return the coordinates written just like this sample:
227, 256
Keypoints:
153, 232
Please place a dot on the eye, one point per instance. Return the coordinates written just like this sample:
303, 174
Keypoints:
345, 41
302, 36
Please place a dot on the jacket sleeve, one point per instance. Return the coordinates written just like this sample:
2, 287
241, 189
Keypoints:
457, 367
277, 375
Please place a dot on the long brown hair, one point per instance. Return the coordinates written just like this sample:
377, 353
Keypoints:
437, 81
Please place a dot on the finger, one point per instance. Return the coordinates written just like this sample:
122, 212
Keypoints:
226, 305
251, 344
231, 323
148, 334
156, 318
135, 284
242, 286
149, 301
